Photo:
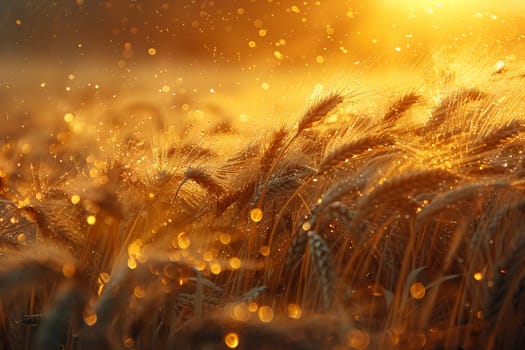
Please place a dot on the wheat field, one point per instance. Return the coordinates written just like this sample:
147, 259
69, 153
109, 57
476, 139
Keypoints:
371, 203
368, 221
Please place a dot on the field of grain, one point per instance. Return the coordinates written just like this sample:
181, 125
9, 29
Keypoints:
370, 201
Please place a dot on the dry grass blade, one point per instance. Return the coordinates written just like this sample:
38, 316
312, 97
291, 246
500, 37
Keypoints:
321, 258
400, 106
351, 149
320, 109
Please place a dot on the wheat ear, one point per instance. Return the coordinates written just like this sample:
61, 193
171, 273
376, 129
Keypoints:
498, 136
449, 106
321, 257
320, 109
399, 107
351, 149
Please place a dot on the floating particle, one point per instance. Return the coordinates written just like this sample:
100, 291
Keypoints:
253, 307
215, 268
207, 256
264, 250
262, 32
278, 55
128, 342
91, 220
183, 240
252, 44
243, 117
258, 23
265, 86
235, 263
166, 88
90, 319
231, 340
240, 11
132, 263
256, 215
295, 9
68, 270
104, 277
294, 311
225, 238
139, 292
417, 290
499, 66
265, 314
26, 148
152, 51
241, 313
18, 22
417, 340
319, 59
358, 339
478, 276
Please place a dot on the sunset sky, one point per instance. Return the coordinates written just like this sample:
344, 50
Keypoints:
241, 32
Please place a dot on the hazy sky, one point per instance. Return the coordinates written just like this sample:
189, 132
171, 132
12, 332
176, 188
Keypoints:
241, 31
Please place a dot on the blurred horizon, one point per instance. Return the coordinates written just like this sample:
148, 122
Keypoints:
248, 32
250, 57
